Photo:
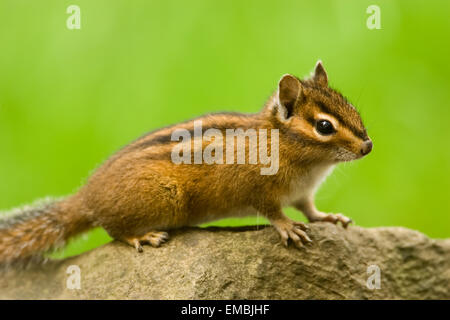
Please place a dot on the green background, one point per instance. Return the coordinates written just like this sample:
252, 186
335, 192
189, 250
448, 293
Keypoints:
70, 98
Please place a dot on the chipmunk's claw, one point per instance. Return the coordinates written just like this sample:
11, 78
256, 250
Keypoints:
335, 218
301, 225
137, 245
293, 230
345, 221
154, 238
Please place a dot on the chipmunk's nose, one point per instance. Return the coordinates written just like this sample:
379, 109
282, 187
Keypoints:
366, 147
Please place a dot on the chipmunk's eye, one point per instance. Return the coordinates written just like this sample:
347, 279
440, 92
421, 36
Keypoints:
324, 127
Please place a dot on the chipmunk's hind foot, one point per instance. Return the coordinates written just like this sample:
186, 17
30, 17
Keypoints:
153, 238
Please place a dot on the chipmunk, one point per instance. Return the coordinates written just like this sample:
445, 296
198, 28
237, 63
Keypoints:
140, 193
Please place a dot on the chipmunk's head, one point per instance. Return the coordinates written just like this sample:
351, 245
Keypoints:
320, 118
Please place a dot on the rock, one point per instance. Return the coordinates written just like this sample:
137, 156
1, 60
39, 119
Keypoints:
249, 263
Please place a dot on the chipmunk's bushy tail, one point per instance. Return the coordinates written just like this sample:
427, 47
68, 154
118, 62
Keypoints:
31, 231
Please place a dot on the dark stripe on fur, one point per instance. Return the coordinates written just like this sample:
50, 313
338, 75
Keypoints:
356, 131
166, 138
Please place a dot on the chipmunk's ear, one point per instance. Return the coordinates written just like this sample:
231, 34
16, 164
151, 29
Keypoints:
320, 75
289, 91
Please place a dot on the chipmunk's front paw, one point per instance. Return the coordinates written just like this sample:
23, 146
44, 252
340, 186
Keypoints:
334, 218
289, 229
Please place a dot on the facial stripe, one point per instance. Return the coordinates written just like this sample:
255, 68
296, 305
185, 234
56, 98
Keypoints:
356, 131
311, 120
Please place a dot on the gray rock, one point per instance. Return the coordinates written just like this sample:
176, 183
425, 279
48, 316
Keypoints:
246, 263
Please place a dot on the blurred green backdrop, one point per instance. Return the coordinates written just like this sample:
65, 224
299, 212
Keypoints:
70, 98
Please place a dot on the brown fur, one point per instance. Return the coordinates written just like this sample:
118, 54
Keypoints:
140, 191
31, 232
